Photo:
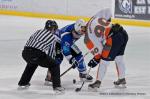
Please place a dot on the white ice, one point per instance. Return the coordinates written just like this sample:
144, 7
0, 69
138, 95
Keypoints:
14, 31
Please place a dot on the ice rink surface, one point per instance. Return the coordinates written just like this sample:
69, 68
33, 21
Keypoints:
14, 31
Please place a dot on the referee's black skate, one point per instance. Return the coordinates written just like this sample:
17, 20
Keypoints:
23, 87
59, 90
120, 83
94, 86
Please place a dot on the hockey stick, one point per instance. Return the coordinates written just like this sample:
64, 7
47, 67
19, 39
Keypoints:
66, 71
79, 89
71, 66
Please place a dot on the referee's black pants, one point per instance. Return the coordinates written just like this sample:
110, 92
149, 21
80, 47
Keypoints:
35, 57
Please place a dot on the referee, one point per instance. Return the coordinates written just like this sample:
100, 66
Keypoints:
35, 54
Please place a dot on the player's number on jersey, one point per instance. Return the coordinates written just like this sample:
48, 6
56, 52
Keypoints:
94, 51
100, 28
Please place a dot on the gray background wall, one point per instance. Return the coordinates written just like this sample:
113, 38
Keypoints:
64, 7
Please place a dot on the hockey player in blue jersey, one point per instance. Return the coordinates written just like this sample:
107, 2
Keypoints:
69, 35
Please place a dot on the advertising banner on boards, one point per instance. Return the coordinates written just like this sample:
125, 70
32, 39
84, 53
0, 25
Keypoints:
8, 4
132, 9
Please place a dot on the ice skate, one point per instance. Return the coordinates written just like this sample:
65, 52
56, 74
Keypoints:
23, 87
94, 86
48, 81
85, 77
59, 90
120, 83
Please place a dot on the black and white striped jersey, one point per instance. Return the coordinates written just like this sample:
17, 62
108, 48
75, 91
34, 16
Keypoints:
52, 48
43, 40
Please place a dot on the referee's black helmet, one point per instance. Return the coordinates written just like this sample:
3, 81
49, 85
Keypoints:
51, 24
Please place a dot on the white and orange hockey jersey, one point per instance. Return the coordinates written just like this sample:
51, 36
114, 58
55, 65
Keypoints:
97, 31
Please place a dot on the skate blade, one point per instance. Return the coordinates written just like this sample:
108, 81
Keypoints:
48, 83
122, 86
59, 92
23, 88
93, 89
85, 80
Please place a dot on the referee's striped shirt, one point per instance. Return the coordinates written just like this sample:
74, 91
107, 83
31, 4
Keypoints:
43, 40
52, 50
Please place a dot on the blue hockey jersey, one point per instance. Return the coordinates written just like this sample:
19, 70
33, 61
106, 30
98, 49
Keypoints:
67, 39
68, 43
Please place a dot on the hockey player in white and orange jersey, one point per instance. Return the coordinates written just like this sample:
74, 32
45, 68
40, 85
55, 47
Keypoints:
107, 42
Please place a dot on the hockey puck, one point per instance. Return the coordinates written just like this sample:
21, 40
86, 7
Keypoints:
74, 81
78, 89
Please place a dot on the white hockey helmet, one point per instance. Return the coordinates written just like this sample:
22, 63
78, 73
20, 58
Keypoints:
78, 24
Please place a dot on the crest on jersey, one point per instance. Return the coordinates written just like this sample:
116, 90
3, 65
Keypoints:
125, 6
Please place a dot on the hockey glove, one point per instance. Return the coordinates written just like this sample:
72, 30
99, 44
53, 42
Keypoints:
59, 58
116, 28
59, 55
93, 62
74, 62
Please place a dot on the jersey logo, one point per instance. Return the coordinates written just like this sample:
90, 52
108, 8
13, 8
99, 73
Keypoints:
67, 44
